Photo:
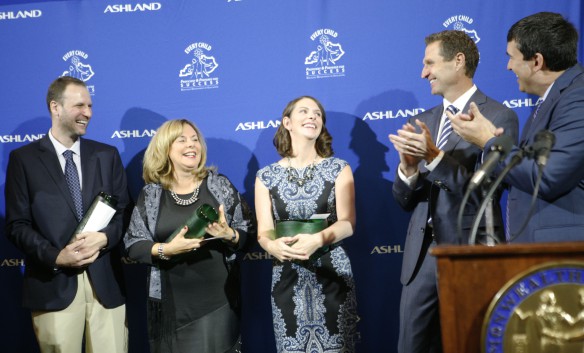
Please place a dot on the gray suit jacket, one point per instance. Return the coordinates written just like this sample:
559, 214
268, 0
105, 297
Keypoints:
438, 194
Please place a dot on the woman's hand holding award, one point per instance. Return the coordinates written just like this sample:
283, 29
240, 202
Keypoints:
291, 228
197, 223
196, 228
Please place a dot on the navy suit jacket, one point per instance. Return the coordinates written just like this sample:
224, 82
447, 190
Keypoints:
559, 209
439, 193
40, 220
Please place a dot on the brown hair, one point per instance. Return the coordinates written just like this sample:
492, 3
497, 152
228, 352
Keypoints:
58, 86
283, 142
453, 42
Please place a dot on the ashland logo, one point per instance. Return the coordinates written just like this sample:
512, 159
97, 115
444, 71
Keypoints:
257, 255
153, 6
521, 103
20, 138
386, 249
126, 134
392, 114
257, 125
17, 15
12, 263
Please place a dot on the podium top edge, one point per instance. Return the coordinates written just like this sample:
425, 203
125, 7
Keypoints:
508, 249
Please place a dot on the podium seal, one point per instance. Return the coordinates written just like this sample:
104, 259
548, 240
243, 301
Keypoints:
540, 310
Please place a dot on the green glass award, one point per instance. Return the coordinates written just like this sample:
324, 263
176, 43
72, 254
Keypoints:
197, 222
290, 228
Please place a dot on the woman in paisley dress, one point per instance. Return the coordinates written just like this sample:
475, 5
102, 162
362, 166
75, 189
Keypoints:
313, 299
193, 298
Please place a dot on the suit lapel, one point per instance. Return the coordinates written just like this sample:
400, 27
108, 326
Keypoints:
454, 139
89, 170
48, 158
539, 122
542, 120
434, 122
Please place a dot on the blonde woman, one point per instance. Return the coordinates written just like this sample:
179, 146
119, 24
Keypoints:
193, 293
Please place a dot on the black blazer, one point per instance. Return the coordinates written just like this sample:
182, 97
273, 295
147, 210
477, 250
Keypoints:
40, 220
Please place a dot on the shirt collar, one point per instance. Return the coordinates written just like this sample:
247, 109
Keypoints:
60, 148
461, 101
547, 91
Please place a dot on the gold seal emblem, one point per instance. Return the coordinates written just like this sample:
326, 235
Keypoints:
539, 311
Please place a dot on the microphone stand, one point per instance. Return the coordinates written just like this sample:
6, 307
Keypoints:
516, 159
489, 222
460, 213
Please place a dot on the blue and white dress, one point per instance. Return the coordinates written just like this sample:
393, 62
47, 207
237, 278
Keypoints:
313, 303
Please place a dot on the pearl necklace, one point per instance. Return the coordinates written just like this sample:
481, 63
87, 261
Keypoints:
293, 175
185, 202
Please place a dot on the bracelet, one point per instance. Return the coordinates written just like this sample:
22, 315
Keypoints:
161, 255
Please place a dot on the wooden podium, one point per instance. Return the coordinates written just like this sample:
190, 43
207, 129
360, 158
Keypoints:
469, 277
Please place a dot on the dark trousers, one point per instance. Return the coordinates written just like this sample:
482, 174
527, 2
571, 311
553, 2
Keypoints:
419, 315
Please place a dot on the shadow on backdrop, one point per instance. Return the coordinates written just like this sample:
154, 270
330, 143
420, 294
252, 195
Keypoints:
356, 142
140, 120
380, 219
238, 163
17, 331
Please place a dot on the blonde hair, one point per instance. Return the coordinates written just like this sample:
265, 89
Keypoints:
157, 166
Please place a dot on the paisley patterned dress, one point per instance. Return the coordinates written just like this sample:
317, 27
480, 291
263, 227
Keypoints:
313, 303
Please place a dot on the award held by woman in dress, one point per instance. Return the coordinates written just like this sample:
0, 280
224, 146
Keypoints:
98, 216
197, 222
290, 228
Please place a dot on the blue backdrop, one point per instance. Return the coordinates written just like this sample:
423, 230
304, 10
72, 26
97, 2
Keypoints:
231, 66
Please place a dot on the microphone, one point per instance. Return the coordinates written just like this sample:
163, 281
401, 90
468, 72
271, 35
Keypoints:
499, 150
544, 141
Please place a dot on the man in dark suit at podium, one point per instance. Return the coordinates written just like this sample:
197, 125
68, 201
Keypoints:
542, 51
435, 167
74, 289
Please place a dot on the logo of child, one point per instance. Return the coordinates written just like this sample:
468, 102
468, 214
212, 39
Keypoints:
322, 62
457, 22
77, 68
197, 73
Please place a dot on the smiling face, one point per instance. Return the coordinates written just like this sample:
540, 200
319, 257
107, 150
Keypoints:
305, 121
522, 68
71, 115
441, 74
185, 151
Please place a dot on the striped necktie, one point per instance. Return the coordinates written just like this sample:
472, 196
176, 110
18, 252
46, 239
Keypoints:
539, 103
446, 128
